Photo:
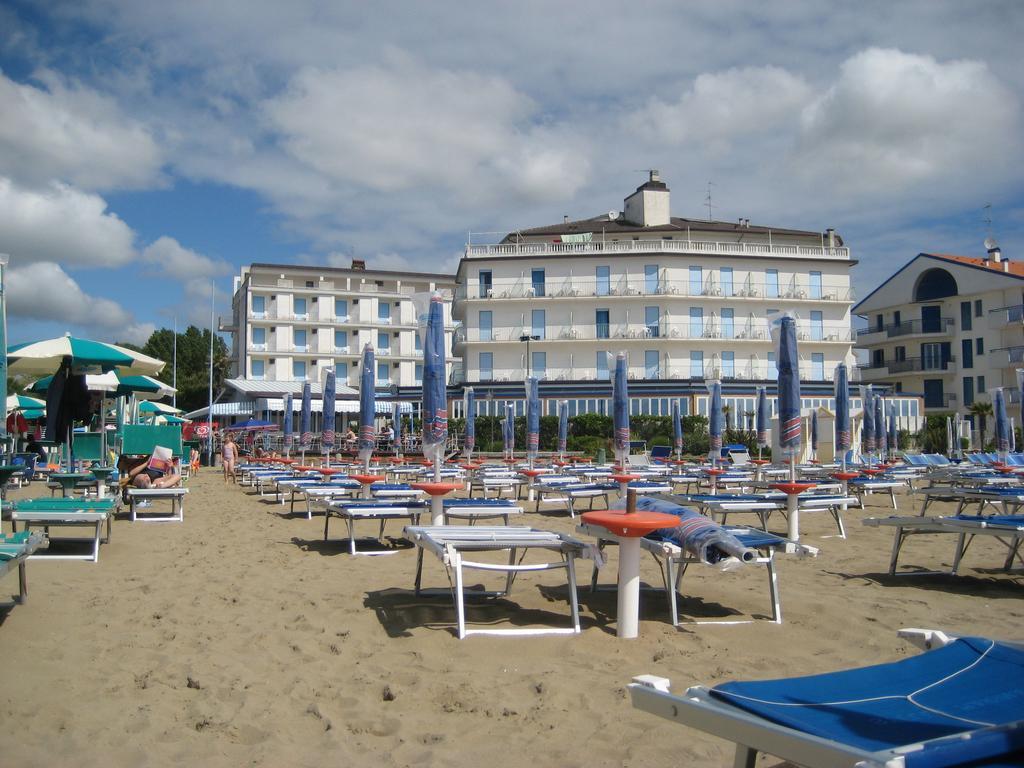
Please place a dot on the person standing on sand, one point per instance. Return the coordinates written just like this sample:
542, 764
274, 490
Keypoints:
229, 457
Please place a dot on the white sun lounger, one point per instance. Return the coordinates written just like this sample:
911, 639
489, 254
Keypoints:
451, 544
48, 512
175, 495
913, 712
351, 510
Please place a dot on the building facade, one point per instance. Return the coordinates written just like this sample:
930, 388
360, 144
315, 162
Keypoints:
950, 328
292, 323
688, 300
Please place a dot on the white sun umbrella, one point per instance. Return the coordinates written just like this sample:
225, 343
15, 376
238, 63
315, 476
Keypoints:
45, 357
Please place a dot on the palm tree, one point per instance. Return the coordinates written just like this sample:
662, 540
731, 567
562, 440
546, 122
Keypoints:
981, 411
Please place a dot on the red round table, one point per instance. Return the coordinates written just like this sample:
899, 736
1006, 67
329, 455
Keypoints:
624, 479
367, 481
714, 474
436, 491
793, 491
626, 528
872, 471
328, 471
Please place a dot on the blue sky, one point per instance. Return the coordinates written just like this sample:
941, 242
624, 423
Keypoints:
149, 149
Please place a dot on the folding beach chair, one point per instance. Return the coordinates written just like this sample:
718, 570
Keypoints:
957, 705
452, 543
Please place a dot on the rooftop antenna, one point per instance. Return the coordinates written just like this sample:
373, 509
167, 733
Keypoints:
707, 200
987, 208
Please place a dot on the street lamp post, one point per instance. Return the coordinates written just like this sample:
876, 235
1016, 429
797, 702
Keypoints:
4, 261
528, 337
490, 412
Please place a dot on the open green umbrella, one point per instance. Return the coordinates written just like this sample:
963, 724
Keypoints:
45, 357
24, 403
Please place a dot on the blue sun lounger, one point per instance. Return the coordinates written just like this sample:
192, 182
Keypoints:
479, 509
961, 704
15, 550
351, 510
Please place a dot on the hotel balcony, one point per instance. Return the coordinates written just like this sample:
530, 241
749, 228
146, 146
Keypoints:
875, 334
1006, 317
1008, 357
605, 247
705, 331
748, 371
640, 286
909, 367
943, 402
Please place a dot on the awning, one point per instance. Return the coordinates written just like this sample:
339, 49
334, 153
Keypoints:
244, 408
316, 406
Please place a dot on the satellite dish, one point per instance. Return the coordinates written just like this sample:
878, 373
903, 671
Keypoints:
613, 215
990, 243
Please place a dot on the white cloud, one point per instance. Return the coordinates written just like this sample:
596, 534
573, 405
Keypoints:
44, 291
722, 106
61, 224
69, 132
174, 260
402, 126
894, 121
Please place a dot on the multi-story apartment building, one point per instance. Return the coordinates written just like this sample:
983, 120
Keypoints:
292, 322
688, 300
949, 327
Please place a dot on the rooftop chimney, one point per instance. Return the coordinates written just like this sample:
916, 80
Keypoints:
1006, 266
565, 219
359, 264
996, 254
830, 234
649, 205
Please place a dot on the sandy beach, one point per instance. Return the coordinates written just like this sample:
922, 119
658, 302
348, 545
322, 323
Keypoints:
241, 638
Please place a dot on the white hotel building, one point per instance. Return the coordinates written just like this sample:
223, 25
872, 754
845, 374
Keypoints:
688, 300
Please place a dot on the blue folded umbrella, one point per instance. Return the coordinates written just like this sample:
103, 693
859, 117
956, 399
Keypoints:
700, 536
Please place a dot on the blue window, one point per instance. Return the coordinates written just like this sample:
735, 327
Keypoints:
486, 366
602, 366
299, 339
418, 373
696, 281
340, 339
537, 281
604, 281
298, 369
696, 322
300, 307
383, 373
728, 324
696, 364
383, 341
341, 308
384, 311
537, 321
538, 364
258, 368
651, 283
815, 286
341, 372
419, 341
726, 280
938, 402
652, 364
259, 335
259, 305
771, 284
818, 366
486, 325
773, 371
817, 327
651, 318
728, 365
485, 283
601, 323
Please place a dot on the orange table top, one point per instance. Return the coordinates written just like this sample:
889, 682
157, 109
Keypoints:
330, 470
436, 489
624, 478
760, 462
367, 479
793, 487
845, 475
629, 524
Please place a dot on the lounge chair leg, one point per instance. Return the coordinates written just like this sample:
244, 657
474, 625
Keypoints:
327, 522
897, 543
22, 582
838, 515
773, 590
574, 605
670, 587
460, 601
351, 525
419, 571
745, 757
96, 541
962, 542
509, 575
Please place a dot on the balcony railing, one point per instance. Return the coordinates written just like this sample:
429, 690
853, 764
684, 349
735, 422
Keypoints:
1004, 316
944, 401
756, 371
705, 330
639, 285
698, 247
920, 364
940, 326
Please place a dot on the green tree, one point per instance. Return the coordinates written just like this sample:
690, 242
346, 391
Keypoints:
981, 410
193, 363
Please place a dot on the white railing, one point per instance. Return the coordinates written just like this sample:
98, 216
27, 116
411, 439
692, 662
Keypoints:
698, 247
705, 330
741, 371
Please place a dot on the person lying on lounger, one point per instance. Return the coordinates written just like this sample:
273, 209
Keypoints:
158, 472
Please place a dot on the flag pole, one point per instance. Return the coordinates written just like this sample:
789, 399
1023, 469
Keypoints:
209, 413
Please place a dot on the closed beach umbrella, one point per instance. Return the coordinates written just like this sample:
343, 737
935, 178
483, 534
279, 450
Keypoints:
867, 400
949, 435
508, 431
563, 426
367, 439
894, 434
620, 410
715, 420
288, 427
327, 428
844, 437
532, 419
761, 418
470, 408
814, 434
677, 428
305, 433
881, 437
435, 399
396, 424
790, 426
1002, 423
